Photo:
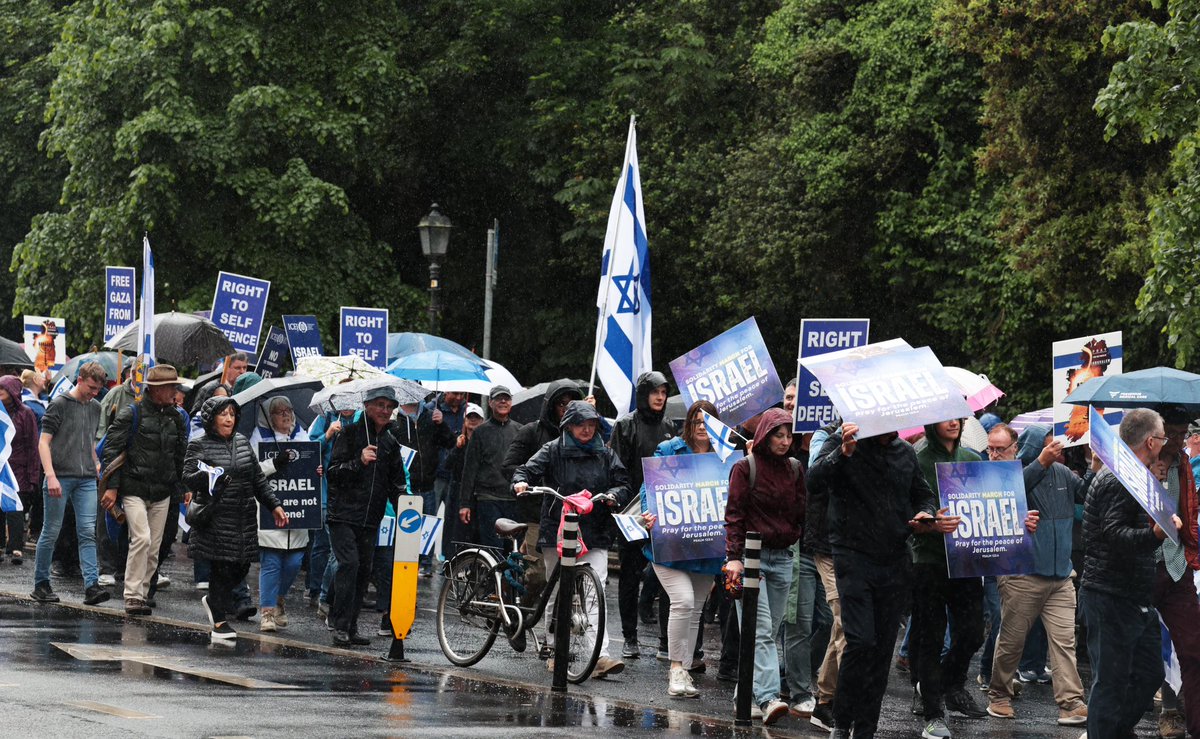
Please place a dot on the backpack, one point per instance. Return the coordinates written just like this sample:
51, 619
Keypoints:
754, 470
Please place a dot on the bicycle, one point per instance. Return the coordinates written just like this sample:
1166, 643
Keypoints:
482, 593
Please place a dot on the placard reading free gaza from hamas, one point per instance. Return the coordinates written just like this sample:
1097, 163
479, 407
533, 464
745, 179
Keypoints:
734, 372
990, 498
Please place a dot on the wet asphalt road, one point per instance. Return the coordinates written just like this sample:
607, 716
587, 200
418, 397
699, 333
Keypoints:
72, 670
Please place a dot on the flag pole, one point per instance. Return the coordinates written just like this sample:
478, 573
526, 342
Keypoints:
601, 323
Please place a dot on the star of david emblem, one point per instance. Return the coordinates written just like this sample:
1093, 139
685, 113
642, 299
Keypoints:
627, 284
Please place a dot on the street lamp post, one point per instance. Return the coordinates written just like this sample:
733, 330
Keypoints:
435, 242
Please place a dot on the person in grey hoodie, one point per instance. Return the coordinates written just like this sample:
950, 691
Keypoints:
1047, 593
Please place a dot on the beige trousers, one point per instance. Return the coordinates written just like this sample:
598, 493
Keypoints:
1024, 598
146, 522
828, 674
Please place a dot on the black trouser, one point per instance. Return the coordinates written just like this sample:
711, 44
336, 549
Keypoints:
935, 594
111, 554
12, 533
354, 547
224, 578
873, 596
633, 562
731, 633
1125, 646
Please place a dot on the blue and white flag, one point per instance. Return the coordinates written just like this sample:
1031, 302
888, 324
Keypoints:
9, 499
630, 527
213, 474
720, 435
431, 529
623, 327
63, 386
407, 455
145, 357
1174, 674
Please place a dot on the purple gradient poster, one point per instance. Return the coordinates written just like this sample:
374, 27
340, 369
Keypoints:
1133, 475
733, 371
990, 498
688, 493
901, 389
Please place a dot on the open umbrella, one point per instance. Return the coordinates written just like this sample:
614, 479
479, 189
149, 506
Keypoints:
110, 361
349, 396
12, 355
1156, 386
443, 371
411, 342
297, 389
334, 370
1023, 421
181, 339
978, 389
527, 403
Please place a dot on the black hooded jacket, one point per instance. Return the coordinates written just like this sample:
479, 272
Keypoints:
873, 494
533, 436
568, 467
638, 434
358, 493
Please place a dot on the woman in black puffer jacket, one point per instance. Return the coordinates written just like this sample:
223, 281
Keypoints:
230, 539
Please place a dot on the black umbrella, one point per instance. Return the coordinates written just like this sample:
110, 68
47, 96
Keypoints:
181, 339
296, 388
527, 404
12, 355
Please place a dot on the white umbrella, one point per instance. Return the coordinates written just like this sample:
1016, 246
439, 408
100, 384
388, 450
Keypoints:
349, 396
335, 370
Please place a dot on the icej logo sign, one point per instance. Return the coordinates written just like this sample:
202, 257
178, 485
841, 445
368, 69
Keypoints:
303, 337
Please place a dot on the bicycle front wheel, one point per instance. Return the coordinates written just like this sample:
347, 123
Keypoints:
467, 615
587, 624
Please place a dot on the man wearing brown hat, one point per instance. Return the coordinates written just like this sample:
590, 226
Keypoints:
143, 464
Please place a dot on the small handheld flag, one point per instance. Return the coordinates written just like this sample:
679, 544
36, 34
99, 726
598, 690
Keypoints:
630, 528
407, 454
720, 436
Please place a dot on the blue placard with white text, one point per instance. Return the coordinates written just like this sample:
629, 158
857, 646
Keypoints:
819, 336
364, 332
118, 299
1133, 475
688, 493
239, 305
274, 353
303, 336
732, 371
991, 539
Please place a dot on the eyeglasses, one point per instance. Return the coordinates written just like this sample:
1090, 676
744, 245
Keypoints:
1163, 439
283, 412
699, 422
995, 450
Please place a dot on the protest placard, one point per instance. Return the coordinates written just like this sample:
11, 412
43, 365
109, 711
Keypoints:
898, 389
688, 493
991, 539
364, 332
118, 299
1133, 475
732, 371
297, 486
304, 337
46, 342
1075, 362
275, 351
820, 336
239, 304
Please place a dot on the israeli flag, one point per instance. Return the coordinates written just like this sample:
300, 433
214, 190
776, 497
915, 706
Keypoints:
630, 528
213, 474
9, 499
145, 357
431, 528
623, 327
1174, 675
61, 387
720, 435
407, 455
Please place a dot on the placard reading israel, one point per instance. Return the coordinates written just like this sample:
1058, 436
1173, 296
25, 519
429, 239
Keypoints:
1133, 475
1075, 362
239, 304
304, 337
364, 332
821, 336
297, 486
902, 389
688, 493
990, 498
733, 371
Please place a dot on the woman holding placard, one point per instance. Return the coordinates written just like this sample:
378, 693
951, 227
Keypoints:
687, 583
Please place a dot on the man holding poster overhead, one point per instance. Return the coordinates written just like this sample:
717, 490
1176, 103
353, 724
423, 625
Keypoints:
1117, 594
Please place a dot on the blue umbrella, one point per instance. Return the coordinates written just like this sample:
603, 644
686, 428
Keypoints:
411, 342
1156, 386
437, 366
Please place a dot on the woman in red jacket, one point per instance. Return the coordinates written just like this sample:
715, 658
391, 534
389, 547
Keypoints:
773, 506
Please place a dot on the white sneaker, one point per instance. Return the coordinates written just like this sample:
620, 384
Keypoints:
773, 710
677, 683
164, 582
691, 686
106, 580
202, 585
804, 708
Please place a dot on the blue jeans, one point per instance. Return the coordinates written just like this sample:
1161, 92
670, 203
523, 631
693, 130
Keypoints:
776, 569
277, 571
81, 492
798, 636
1124, 642
487, 512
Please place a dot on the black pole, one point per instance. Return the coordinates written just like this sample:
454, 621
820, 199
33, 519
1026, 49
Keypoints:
745, 684
562, 611
435, 297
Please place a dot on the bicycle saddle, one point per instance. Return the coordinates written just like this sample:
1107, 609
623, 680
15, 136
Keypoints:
506, 528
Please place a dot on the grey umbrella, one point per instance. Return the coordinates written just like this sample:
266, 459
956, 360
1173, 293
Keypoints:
12, 355
181, 339
296, 388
